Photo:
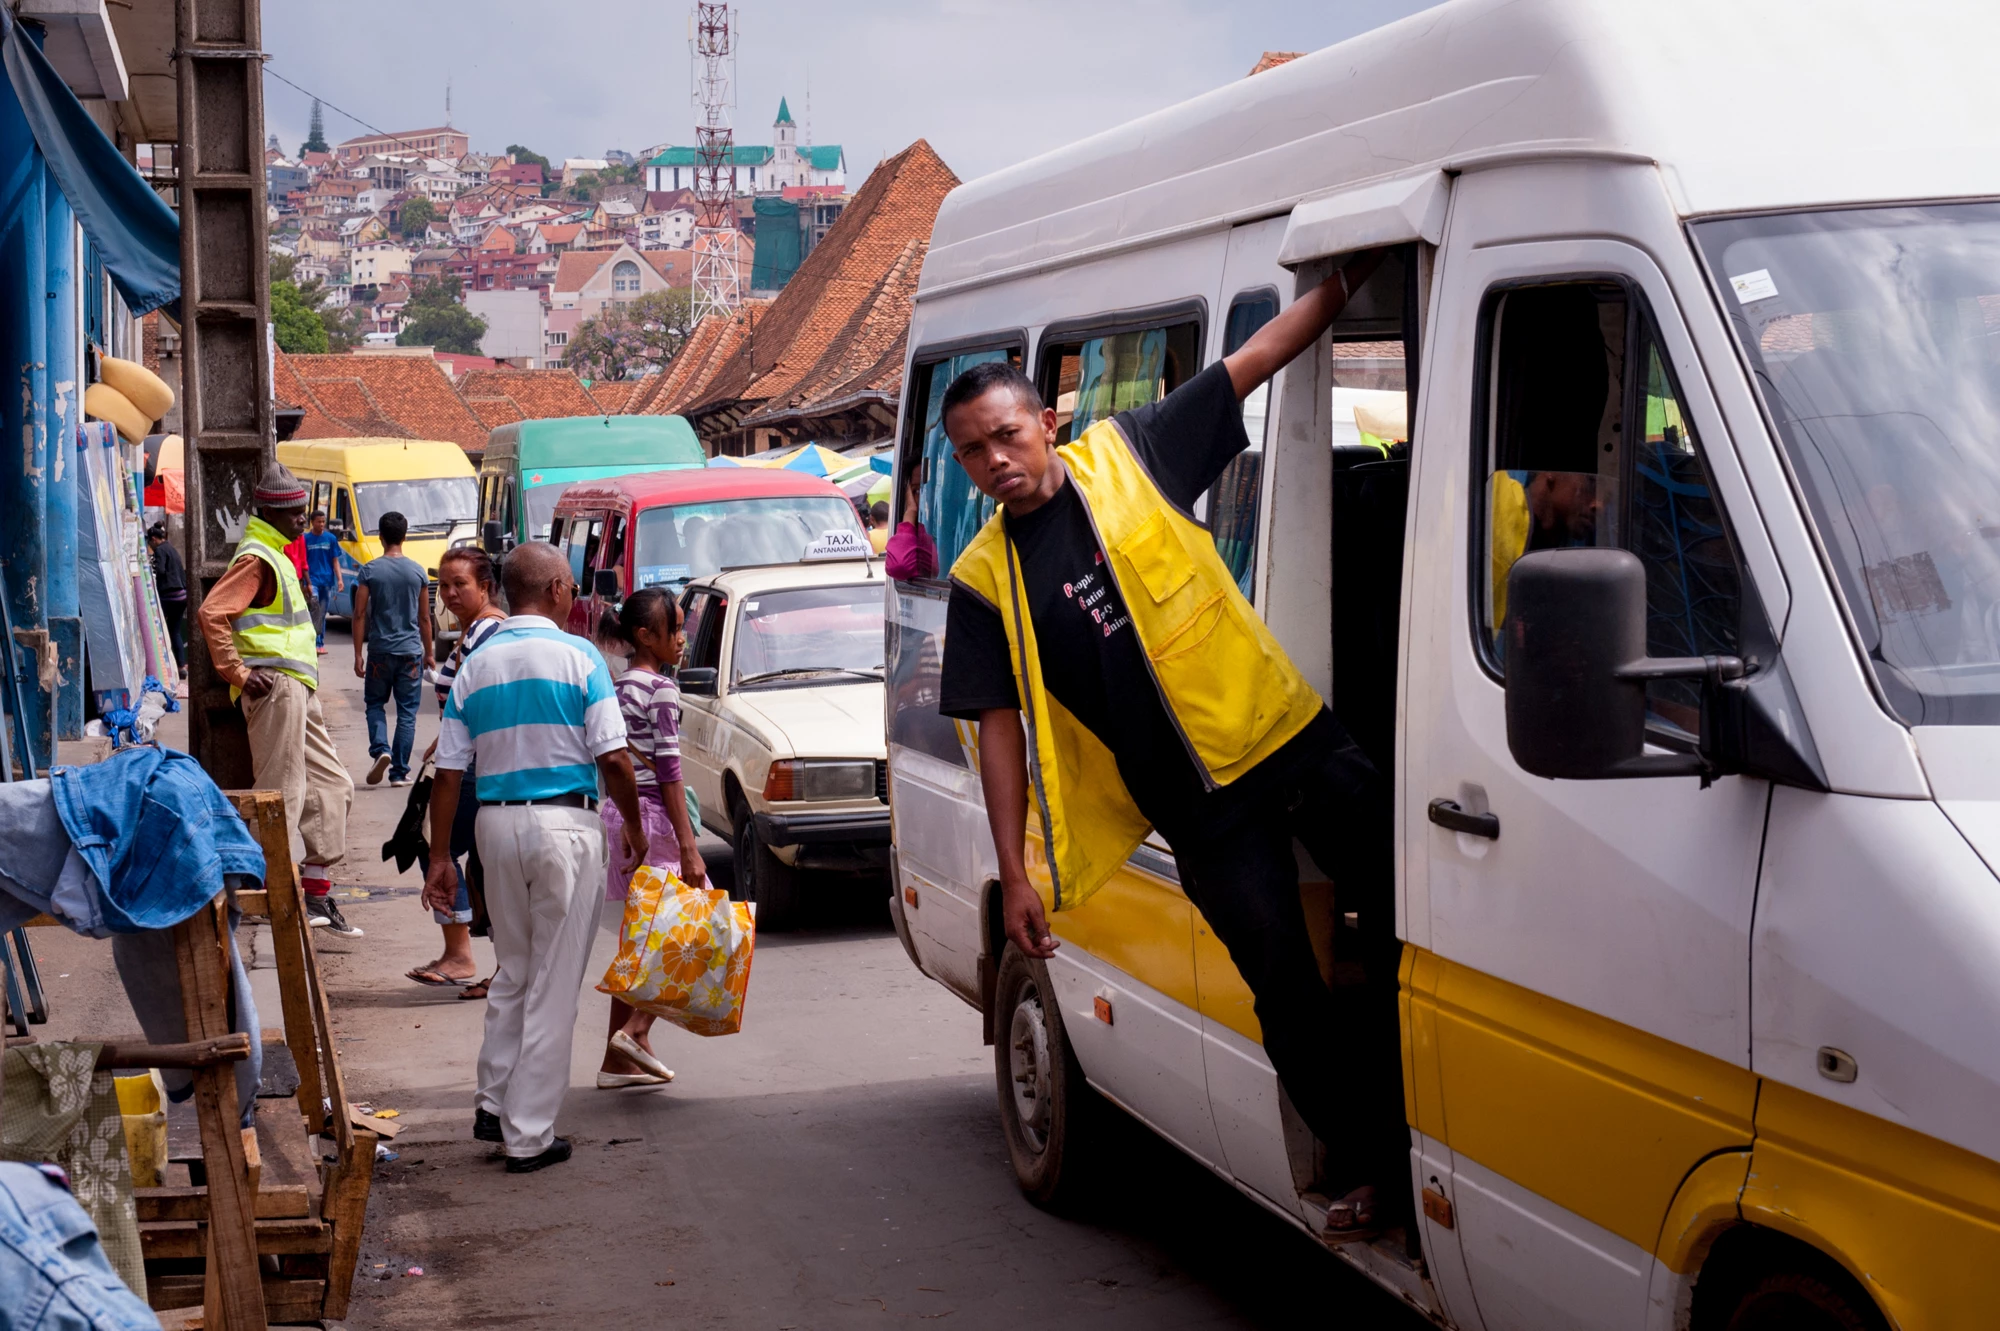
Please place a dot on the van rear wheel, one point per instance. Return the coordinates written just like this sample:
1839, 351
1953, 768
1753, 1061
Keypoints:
1051, 1117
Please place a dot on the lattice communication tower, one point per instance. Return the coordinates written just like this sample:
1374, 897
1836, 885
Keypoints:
718, 278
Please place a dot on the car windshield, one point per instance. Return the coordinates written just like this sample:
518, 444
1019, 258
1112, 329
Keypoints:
1875, 338
684, 541
809, 635
430, 504
541, 503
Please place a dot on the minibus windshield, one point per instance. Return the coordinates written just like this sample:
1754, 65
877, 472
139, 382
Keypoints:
1874, 335
678, 542
430, 504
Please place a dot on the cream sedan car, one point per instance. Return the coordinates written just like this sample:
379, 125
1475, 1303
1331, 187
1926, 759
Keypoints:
781, 724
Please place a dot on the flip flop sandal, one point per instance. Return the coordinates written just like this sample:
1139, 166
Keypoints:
477, 989
437, 980
1352, 1219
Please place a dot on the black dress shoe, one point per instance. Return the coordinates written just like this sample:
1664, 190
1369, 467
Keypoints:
486, 1127
527, 1164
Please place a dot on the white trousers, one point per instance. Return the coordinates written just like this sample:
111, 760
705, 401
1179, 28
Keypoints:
544, 887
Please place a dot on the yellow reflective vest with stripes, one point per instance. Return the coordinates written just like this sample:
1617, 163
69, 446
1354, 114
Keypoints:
278, 635
1228, 686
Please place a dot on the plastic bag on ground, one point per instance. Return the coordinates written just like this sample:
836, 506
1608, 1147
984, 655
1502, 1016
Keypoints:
683, 953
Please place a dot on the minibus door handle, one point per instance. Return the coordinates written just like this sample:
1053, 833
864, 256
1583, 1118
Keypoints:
1446, 813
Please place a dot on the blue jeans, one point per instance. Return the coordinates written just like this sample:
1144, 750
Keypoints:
322, 595
404, 675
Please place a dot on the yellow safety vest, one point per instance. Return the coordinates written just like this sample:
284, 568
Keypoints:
1228, 687
278, 635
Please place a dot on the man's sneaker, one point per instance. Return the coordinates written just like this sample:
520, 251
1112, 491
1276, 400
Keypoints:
486, 1127
399, 781
323, 913
527, 1164
379, 770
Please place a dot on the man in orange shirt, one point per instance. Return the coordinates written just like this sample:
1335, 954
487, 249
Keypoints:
258, 626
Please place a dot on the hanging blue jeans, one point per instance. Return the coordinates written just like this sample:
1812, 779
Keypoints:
403, 676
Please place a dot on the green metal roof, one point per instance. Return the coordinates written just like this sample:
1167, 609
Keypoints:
821, 157
784, 112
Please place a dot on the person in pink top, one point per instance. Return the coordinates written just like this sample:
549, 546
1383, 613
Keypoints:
912, 553
649, 623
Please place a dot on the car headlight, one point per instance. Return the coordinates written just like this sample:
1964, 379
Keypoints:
807, 779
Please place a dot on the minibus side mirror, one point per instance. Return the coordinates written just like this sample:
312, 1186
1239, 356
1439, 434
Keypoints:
493, 538
698, 680
1577, 670
604, 584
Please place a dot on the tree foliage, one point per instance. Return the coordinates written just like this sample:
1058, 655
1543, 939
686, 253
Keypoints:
433, 317
632, 337
315, 134
417, 213
521, 154
295, 323
296, 304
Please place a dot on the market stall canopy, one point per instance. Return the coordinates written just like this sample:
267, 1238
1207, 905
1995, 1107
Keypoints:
134, 230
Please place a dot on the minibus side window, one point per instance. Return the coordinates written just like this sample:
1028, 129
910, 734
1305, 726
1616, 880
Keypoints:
343, 514
1093, 379
1587, 445
507, 518
322, 499
1230, 506
949, 506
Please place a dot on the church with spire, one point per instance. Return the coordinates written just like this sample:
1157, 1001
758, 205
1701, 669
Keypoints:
771, 168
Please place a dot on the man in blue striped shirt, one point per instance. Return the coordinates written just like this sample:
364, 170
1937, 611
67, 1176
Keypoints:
535, 712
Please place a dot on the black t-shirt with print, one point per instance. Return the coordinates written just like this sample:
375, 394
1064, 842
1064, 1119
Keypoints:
1091, 658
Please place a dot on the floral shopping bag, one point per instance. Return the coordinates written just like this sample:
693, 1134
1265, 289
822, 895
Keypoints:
683, 953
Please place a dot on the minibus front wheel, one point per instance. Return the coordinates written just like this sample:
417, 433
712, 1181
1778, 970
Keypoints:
1049, 1113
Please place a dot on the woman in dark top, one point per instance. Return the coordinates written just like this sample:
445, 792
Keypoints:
170, 576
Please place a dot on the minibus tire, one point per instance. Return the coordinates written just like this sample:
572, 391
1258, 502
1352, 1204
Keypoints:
1803, 1300
1050, 1144
761, 876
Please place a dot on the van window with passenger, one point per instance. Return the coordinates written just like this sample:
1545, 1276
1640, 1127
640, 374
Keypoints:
1587, 445
949, 506
1092, 379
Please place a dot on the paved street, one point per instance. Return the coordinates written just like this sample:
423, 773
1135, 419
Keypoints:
837, 1164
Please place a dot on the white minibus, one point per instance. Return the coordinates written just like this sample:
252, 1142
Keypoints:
1640, 518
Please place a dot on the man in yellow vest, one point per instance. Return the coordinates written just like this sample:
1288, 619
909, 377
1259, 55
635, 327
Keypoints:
1119, 676
258, 625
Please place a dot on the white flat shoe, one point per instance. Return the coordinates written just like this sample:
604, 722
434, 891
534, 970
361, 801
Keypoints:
611, 1081
631, 1048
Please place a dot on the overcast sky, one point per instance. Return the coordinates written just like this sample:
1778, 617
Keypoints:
988, 82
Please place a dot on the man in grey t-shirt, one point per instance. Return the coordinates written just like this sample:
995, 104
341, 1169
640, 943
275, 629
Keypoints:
392, 623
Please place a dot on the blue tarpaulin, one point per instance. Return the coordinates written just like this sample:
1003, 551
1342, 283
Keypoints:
137, 235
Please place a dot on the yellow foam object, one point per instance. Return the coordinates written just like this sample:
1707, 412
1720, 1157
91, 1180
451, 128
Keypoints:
108, 404
146, 390
142, 1105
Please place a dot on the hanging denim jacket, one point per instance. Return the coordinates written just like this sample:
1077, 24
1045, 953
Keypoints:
156, 831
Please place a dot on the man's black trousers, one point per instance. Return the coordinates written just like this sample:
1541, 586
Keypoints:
1336, 1051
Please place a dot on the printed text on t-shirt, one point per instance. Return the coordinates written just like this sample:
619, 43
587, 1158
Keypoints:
1092, 595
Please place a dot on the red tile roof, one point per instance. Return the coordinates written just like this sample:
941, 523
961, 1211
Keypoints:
495, 411
864, 360
716, 343
1272, 59
406, 397
560, 233
539, 394
614, 395
844, 272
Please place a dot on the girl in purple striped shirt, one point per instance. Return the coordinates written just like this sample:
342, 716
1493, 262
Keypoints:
649, 623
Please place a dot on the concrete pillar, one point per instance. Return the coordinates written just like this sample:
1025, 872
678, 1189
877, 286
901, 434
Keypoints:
65, 414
